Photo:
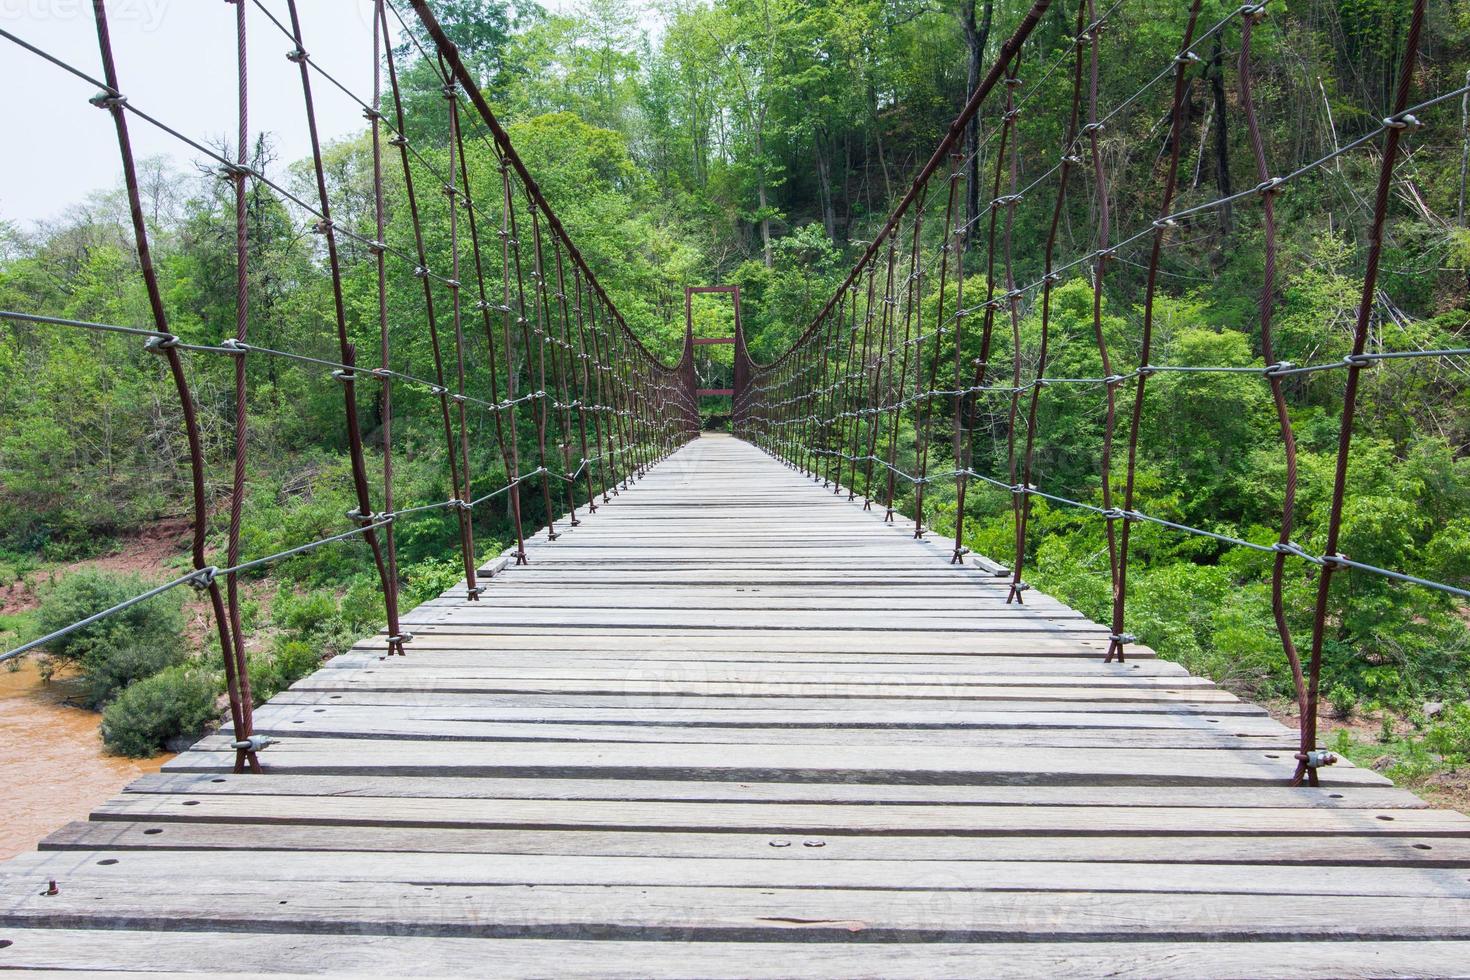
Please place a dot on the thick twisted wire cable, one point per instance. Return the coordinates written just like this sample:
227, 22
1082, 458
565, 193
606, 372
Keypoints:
237, 679
1309, 758
1161, 229
1028, 455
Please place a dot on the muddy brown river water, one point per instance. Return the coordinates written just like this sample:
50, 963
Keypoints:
54, 768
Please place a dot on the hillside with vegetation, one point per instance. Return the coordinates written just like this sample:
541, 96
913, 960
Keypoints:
762, 143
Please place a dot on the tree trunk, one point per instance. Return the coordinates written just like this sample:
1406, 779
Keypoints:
976, 37
824, 187
1222, 137
763, 201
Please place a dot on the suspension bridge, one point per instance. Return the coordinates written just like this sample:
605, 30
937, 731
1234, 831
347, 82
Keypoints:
739, 709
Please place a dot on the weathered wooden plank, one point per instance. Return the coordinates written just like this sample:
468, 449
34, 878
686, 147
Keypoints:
924, 717
450, 787
215, 953
732, 914
664, 872
415, 696
953, 819
825, 762
369, 725
1276, 849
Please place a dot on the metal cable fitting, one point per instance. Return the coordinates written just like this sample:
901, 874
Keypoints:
252, 743
1317, 758
203, 578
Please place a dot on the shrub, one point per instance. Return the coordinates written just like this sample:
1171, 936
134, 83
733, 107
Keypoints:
179, 700
1343, 700
428, 579
285, 664
1450, 735
120, 649
110, 671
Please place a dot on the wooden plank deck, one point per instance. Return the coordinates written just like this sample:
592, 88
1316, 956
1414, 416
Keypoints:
732, 726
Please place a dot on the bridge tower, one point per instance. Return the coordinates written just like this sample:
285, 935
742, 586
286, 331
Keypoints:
740, 378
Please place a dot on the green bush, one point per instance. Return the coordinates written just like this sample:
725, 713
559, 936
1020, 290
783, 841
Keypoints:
180, 700
1450, 735
110, 671
286, 663
1344, 701
125, 647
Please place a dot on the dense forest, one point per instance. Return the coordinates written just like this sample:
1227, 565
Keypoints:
762, 143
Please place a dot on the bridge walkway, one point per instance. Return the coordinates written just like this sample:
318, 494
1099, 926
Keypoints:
732, 725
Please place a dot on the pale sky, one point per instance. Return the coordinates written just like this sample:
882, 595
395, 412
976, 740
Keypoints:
176, 61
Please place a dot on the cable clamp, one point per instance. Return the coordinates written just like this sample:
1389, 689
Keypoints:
235, 345
1122, 639
1317, 758
376, 247
109, 100
1019, 489
1273, 185
252, 743
345, 376
1277, 369
1084, 38
1359, 360
398, 140
1014, 83
229, 171
438, 390
1164, 223
1011, 115
455, 503
1187, 58
458, 399
451, 91
1094, 127
296, 55
157, 344
421, 271
1021, 586
1336, 561
1109, 254
1008, 199
323, 226
1292, 548
1114, 514
371, 114
404, 637
452, 283
1052, 277
1253, 11
1408, 122
203, 578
